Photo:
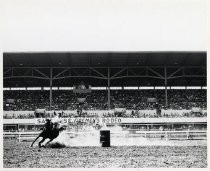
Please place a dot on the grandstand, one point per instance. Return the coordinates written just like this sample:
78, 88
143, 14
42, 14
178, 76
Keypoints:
145, 90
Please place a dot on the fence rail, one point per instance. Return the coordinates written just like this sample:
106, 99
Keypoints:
168, 135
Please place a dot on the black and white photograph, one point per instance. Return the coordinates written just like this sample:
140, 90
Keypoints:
76, 94
105, 109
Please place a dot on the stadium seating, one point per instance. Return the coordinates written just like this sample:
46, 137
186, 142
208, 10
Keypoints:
97, 100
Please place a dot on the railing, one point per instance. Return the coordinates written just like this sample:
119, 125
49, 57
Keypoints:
168, 135
21, 135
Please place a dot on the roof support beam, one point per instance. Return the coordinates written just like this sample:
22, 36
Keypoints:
136, 76
142, 70
27, 72
112, 77
155, 72
189, 76
93, 72
61, 73
83, 73
9, 77
72, 76
102, 75
175, 72
105, 67
73, 70
7, 70
41, 73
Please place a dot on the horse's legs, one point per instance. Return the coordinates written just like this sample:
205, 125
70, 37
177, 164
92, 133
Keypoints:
40, 142
34, 141
48, 142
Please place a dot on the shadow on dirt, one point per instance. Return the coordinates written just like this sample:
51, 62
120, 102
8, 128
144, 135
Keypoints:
56, 145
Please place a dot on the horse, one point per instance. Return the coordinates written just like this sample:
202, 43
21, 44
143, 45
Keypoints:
51, 134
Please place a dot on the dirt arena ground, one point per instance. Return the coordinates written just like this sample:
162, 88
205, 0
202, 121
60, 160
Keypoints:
19, 154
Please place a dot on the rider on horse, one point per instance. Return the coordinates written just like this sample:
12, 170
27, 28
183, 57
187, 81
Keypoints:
56, 121
51, 130
48, 125
53, 123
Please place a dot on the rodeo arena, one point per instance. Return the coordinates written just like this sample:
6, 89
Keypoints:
105, 109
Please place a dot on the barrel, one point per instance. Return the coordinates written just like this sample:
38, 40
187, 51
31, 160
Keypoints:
105, 138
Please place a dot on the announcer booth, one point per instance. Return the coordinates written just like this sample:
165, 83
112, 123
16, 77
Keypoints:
119, 112
9, 104
40, 113
81, 90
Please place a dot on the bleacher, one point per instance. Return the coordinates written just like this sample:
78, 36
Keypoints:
134, 101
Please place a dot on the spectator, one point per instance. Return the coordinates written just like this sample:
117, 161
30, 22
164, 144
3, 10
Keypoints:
134, 100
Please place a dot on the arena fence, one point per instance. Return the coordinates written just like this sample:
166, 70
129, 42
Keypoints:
170, 135
167, 135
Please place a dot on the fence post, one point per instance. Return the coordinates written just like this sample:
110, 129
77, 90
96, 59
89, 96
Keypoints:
19, 135
166, 134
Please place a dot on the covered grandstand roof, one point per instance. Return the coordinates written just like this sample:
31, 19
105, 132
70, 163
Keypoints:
104, 59
125, 68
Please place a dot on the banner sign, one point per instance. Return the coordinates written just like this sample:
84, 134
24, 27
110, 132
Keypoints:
110, 120
197, 109
151, 100
40, 111
84, 120
10, 100
81, 100
120, 110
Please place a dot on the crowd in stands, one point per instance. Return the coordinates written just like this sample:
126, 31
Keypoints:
97, 100
182, 99
132, 115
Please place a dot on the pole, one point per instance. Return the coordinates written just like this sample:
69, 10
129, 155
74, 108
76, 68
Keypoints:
50, 88
166, 91
108, 88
